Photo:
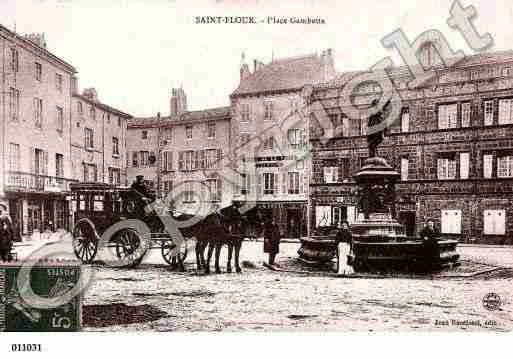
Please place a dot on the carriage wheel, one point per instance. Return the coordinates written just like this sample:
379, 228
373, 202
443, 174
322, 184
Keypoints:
127, 243
85, 244
167, 251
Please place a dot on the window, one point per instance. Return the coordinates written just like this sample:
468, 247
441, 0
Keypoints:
90, 172
188, 132
188, 161
167, 134
115, 146
506, 71
59, 165
330, 174
322, 216
88, 142
345, 126
211, 157
505, 166
428, 55
167, 186
38, 112
296, 137
14, 157
268, 111
494, 222
363, 126
505, 111
114, 176
211, 129
447, 167
474, 75
119, 121
38, 71
14, 104
488, 113
404, 169
293, 183
270, 183
92, 112
80, 108
58, 82
60, 119
214, 186
464, 165
135, 159
245, 183
244, 112
144, 158
168, 161
487, 166
189, 192
405, 120
447, 116
269, 143
465, 114
451, 221
144, 134
15, 60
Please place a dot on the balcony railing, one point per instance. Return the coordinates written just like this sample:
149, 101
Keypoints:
29, 182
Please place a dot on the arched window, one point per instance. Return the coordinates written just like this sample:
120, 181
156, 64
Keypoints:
428, 55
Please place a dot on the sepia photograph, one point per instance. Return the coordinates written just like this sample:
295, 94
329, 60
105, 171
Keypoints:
249, 167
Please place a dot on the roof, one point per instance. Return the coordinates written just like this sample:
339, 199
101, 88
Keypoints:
475, 60
283, 74
34, 46
217, 113
102, 106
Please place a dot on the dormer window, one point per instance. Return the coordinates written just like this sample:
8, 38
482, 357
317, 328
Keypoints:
428, 55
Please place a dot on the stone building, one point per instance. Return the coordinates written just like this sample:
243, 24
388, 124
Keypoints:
98, 140
35, 133
270, 136
183, 155
452, 143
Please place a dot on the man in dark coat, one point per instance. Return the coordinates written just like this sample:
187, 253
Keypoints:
429, 235
6, 234
272, 239
140, 187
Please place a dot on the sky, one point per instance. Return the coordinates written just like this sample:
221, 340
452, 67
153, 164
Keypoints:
134, 52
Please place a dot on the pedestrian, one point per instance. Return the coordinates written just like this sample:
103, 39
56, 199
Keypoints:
6, 234
272, 238
343, 239
431, 252
140, 187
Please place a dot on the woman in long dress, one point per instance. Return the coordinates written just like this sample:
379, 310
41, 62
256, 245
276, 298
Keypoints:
344, 238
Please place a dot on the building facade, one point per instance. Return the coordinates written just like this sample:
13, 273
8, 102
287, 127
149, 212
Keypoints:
98, 140
183, 156
35, 133
270, 136
452, 143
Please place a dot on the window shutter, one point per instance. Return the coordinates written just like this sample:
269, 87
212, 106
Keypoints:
170, 161
196, 155
276, 183
45, 163
162, 161
260, 179
304, 186
284, 182
203, 163
32, 159
180, 161
219, 189
219, 156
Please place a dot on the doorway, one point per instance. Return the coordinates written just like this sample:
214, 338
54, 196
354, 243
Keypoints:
407, 219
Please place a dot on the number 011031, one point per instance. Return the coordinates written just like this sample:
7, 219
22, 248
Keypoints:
25, 347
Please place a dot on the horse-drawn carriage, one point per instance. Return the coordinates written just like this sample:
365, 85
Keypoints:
130, 224
98, 207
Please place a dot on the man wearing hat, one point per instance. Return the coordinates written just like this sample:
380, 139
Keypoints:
429, 235
6, 233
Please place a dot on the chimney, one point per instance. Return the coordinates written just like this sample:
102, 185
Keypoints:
328, 65
257, 65
91, 94
178, 102
37, 39
244, 68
